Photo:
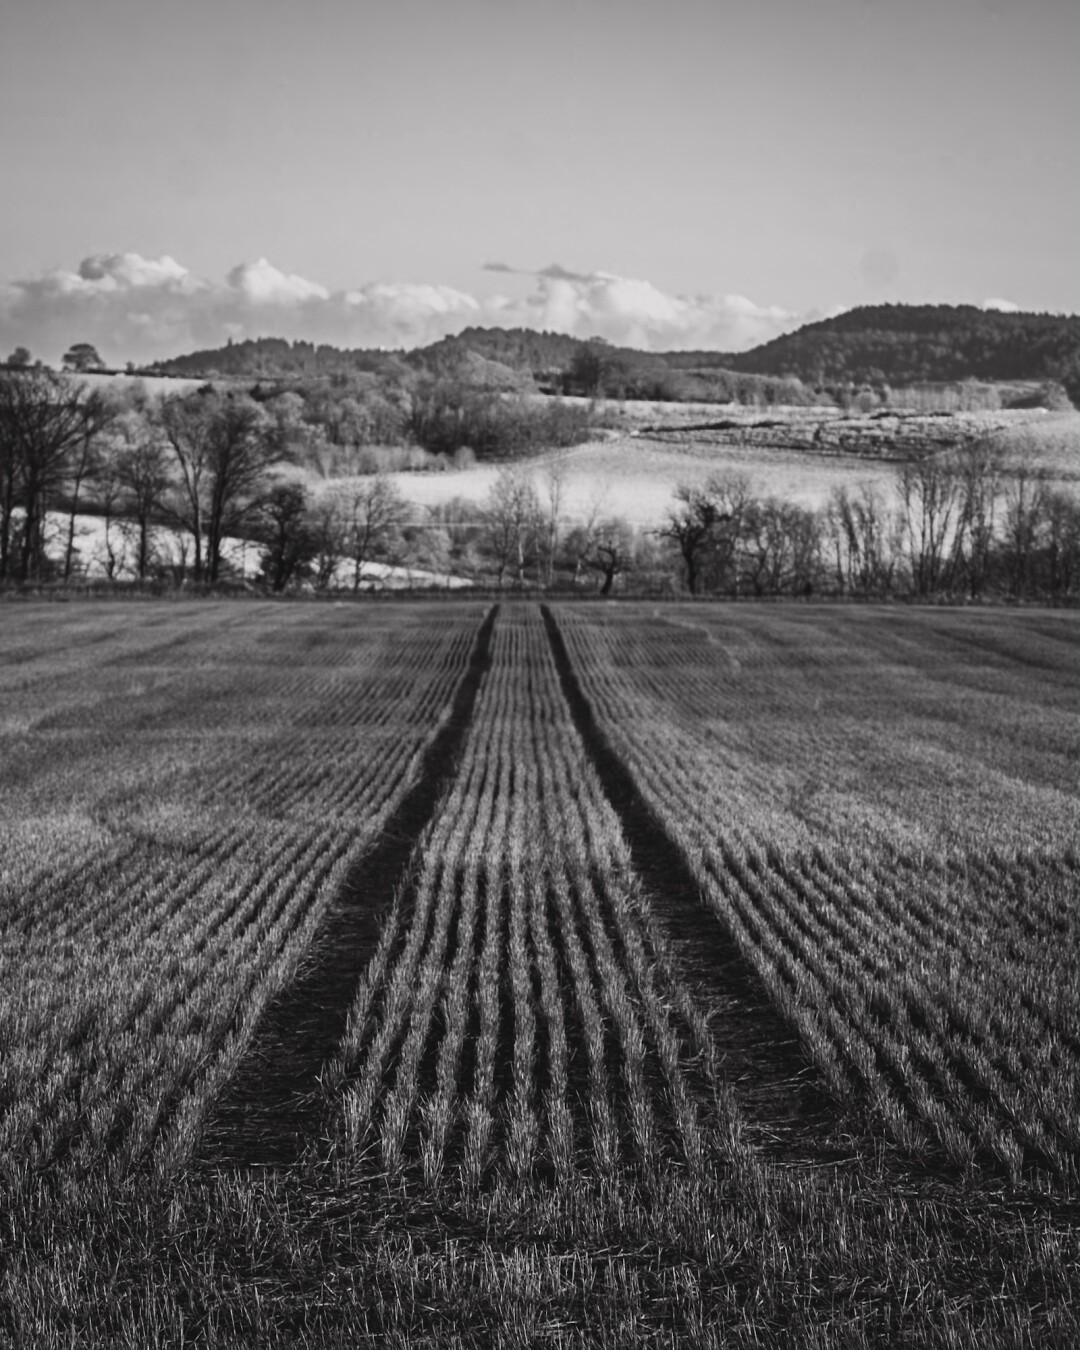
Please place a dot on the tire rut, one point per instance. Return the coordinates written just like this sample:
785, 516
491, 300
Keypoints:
777, 1089
271, 1108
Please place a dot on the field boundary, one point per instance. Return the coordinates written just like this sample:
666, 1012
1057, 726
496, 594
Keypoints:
271, 1108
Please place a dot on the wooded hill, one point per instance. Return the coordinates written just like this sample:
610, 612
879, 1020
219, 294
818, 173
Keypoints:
912, 344
875, 346
494, 358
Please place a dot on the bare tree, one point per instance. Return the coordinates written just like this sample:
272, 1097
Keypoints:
1025, 508
980, 467
806, 531
221, 446
110, 500
44, 421
142, 472
513, 524
375, 513
779, 547
185, 424
930, 492
87, 461
610, 551
690, 526
865, 540
554, 480
705, 527
327, 522
83, 463
1062, 543
239, 459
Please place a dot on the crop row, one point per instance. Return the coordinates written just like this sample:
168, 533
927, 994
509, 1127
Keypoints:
937, 984
137, 951
522, 1015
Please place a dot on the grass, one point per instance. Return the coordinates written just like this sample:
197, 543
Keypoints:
834, 1104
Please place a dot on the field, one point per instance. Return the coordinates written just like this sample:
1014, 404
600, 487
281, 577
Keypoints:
635, 475
393, 974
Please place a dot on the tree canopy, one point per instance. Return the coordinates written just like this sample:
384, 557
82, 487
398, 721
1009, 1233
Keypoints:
82, 356
910, 344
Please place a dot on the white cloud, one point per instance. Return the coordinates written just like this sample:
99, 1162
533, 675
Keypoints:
636, 313
263, 284
106, 274
137, 308
117, 270
1004, 306
408, 311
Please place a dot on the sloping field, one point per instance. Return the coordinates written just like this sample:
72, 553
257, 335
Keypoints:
1050, 443
385, 974
634, 476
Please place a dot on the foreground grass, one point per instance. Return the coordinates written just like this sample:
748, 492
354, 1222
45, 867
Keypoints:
317, 1257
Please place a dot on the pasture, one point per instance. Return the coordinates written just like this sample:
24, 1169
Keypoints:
458, 974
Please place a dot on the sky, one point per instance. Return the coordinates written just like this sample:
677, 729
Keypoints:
692, 173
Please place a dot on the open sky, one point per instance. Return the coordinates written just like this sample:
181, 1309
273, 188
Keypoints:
380, 172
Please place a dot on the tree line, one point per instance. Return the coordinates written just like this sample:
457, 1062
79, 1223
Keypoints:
200, 461
175, 482
196, 463
965, 526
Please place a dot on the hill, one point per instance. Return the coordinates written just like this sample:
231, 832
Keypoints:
270, 358
496, 357
913, 344
873, 345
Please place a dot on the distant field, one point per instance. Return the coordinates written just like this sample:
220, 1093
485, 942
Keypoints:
626, 472
383, 973
155, 385
1051, 443
634, 476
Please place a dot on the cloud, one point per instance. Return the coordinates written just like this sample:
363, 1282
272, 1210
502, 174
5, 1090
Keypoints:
103, 275
262, 284
1004, 306
553, 270
408, 303
114, 271
556, 272
136, 308
636, 313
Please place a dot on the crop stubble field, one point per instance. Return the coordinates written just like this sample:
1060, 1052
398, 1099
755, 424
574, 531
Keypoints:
538, 974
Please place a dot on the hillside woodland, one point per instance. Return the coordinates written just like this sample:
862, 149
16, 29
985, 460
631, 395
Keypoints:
885, 345
873, 352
